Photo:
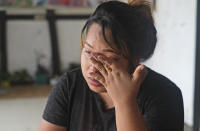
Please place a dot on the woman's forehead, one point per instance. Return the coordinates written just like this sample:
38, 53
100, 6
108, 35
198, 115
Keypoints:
101, 48
95, 30
95, 37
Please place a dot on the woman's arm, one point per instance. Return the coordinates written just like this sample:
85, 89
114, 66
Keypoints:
47, 126
123, 89
129, 118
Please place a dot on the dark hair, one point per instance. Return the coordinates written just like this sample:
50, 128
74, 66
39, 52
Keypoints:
131, 26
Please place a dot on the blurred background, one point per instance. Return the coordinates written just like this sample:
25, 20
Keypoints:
40, 39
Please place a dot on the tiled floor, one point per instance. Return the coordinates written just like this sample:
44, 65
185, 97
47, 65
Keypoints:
187, 128
21, 114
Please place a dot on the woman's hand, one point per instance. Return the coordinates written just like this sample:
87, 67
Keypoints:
121, 86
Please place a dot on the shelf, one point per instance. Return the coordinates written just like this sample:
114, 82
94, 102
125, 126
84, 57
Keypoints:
59, 10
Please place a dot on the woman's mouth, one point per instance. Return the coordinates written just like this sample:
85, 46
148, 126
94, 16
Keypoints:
94, 82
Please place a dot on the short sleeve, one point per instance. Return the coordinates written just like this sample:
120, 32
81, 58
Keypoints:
164, 111
56, 110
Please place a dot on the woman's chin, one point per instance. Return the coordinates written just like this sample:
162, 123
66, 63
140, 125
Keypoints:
97, 88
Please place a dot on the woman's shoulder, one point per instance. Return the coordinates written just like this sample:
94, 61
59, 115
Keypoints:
157, 79
70, 79
73, 75
72, 72
158, 84
160, 99
159, 92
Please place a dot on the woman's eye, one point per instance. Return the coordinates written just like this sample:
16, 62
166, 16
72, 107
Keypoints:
88, 52
115, 59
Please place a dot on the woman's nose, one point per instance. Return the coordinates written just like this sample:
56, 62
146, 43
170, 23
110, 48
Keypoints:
93, 69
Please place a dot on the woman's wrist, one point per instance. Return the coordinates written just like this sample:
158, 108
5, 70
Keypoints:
126, 103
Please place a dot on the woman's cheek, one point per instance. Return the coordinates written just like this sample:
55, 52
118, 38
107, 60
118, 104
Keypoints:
84, 62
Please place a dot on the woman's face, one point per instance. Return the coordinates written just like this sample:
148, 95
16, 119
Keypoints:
96, 45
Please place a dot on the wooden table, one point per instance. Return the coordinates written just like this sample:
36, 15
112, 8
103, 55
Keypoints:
25, 91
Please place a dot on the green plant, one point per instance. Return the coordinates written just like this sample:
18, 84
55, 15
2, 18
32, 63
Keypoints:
5, 76
21, 77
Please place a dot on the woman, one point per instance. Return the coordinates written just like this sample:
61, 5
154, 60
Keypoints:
112, 91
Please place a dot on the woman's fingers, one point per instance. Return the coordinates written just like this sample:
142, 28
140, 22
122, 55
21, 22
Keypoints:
104, 60
99, 66
108, 63
99, 78
139, 74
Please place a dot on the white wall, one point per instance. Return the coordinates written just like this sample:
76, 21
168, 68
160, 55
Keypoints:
175, 52
23, 39
69, 41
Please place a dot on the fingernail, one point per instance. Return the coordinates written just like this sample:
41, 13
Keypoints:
142, 67
100, 58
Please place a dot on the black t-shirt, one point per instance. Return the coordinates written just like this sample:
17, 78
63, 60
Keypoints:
73, 105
